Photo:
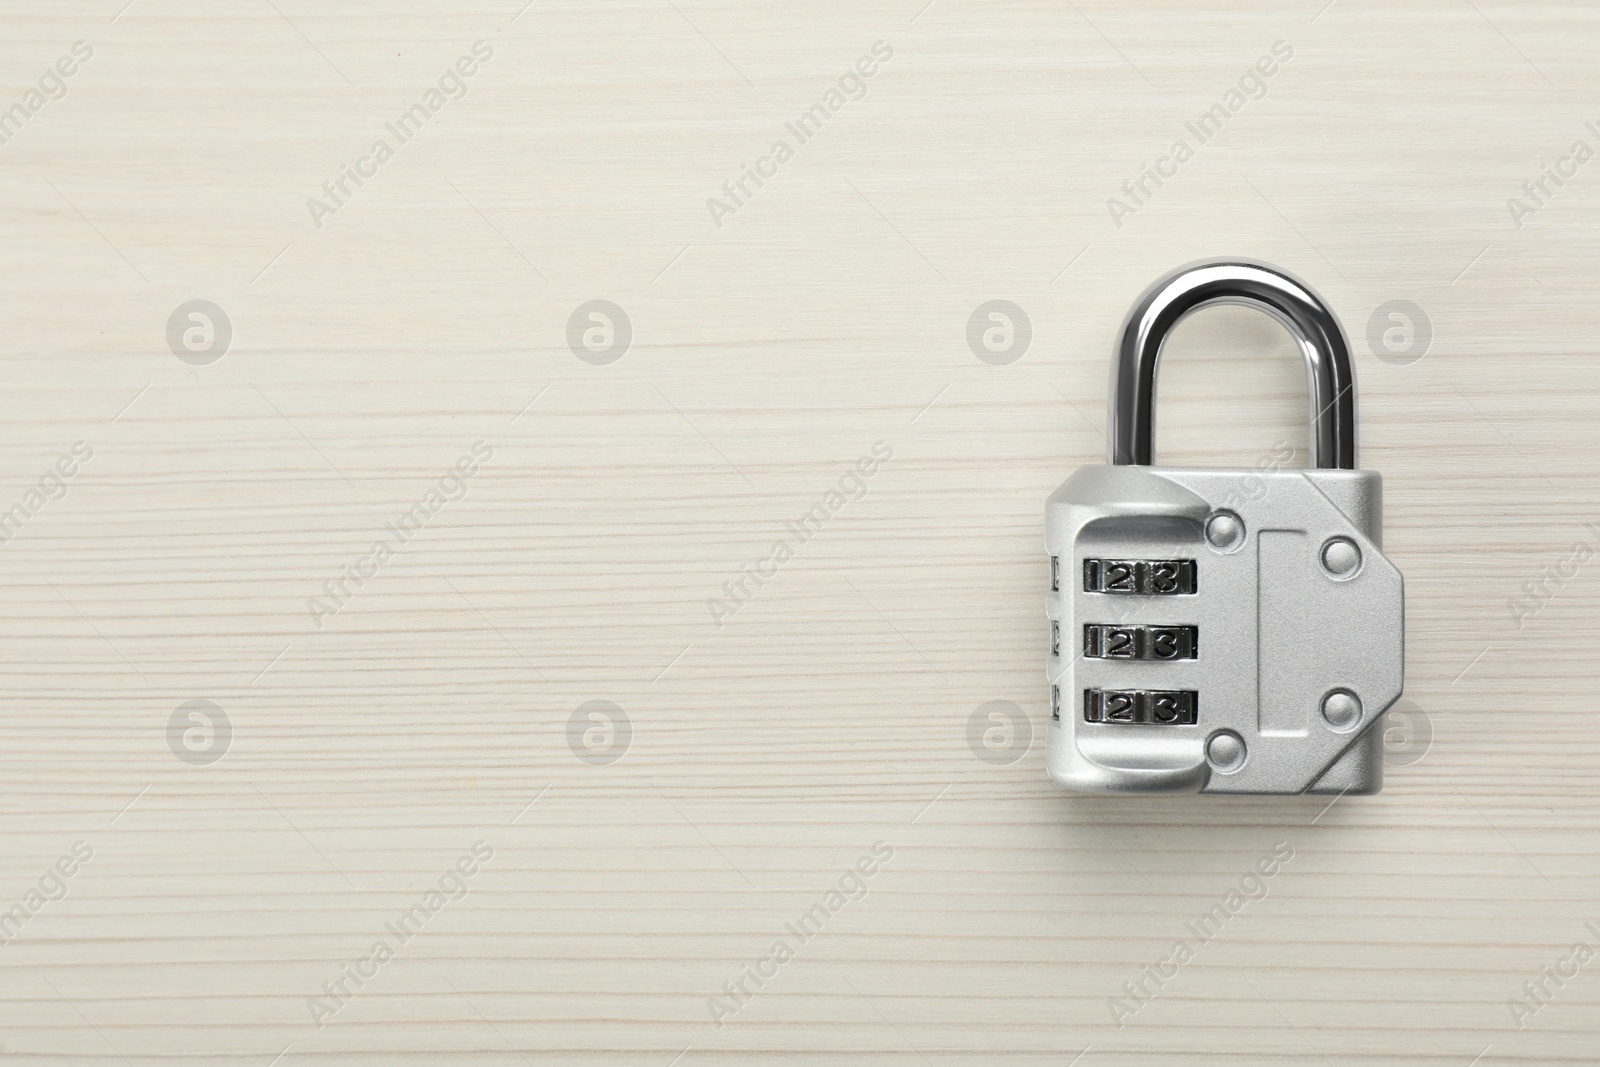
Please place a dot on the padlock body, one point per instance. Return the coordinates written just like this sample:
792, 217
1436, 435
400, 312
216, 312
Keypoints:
1220, 631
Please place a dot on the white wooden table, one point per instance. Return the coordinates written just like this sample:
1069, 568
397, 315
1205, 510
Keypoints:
240, 861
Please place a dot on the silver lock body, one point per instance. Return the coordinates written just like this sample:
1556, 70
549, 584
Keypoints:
1277, 632
1222, 630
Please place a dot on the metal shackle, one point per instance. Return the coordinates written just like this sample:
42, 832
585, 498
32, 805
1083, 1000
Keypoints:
1286, 298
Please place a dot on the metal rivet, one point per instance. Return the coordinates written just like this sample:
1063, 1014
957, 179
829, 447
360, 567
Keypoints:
1341, 557
1225, 531
1342, 709
1226, 751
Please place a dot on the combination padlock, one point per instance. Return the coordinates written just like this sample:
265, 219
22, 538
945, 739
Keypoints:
1217, 630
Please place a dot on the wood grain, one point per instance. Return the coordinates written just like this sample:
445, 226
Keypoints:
770, 753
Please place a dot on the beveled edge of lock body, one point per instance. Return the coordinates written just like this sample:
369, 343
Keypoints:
1252, 283
1174, 763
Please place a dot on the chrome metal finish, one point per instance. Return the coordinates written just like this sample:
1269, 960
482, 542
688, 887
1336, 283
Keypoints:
1226, 751
1121, 641
1222, 630
1253, 284
1224, 531
1139, 577
1276, 632
1341, 557
1342, 710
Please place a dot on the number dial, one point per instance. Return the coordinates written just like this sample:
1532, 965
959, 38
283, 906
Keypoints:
1106, 641
1141, 577
1152, 707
